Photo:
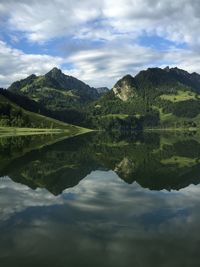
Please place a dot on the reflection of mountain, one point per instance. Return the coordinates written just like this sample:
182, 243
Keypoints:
12, 148
54, 167
168, 168
152, 161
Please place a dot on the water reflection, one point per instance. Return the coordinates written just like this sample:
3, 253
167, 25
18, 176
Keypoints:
153, 161
106, 215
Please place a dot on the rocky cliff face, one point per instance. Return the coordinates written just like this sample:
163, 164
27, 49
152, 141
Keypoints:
125, 88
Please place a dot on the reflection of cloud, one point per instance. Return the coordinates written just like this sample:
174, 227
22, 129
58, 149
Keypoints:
103, 218
15, 198
99, 192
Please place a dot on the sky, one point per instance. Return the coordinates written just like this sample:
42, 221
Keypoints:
96, 41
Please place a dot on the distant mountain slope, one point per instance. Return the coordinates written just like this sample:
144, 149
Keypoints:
102, 90
55, 90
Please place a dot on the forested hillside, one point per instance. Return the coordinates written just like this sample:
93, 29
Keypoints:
161, 98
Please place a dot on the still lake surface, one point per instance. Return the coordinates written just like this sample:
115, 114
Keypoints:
98, 200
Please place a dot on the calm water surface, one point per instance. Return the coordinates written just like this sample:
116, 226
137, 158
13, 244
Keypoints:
99, 200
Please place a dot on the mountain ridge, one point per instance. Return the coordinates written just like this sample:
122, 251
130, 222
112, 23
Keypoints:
155, 97
161, 80
55, 90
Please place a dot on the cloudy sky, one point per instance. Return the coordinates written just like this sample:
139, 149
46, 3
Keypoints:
97, 41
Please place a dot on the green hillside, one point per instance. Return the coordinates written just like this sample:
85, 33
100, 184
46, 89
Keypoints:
14, 119
179, 96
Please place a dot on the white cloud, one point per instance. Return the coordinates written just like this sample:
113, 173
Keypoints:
15, 65
105, 65
43, 20
185, 59
117, 25
176, 20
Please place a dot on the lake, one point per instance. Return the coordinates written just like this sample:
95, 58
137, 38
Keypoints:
100, 200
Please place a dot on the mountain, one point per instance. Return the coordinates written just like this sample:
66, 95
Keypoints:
163, 98
168, 97
102, 90
55, 90
155, 81
189, 79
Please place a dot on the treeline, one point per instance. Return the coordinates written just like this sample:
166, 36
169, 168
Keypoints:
72, 116
184, 109
13, 117
120, 123
109, 104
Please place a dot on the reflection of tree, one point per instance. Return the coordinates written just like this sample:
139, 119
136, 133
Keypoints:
147, 159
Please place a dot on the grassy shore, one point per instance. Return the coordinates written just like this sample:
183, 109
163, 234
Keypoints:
67, 132
171, 129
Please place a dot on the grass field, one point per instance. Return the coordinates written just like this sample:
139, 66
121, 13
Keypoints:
171, 120
180, 96
181, 162
67, 132
116, 116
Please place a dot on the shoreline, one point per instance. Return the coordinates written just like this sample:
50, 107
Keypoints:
17, 131
170, 129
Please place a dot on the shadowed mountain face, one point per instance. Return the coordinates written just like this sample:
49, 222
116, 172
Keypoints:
153, 161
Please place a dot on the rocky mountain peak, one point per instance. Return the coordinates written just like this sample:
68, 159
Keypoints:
125, 88
54, 73
167, 68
